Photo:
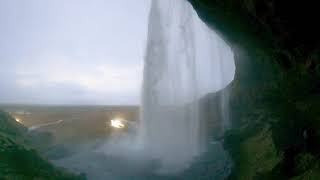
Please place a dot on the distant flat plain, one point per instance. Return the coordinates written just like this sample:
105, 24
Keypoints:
71, 123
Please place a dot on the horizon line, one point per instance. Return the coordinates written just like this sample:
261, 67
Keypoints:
54, 104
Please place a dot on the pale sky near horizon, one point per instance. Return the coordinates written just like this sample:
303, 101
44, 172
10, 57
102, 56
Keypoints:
72, 51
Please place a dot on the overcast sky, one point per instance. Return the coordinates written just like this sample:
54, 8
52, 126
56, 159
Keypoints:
72, 51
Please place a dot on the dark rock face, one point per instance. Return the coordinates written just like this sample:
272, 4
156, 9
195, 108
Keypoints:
290, 25
276, 88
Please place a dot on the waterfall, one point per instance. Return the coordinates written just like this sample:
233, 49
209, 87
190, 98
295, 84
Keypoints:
185, 60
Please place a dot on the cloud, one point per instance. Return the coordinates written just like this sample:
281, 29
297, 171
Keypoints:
73, 51
61, 75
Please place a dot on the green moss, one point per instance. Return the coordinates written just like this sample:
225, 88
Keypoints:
304, 161
254, 154
260, 154
18, 160
311, 174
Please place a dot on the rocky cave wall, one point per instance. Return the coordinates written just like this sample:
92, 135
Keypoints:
275, 96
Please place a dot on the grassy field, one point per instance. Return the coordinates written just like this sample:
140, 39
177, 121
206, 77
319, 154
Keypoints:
18, 158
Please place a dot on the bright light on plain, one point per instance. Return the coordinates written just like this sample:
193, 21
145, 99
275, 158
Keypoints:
117, 123
18, 120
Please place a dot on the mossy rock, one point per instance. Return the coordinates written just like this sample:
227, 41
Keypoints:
18, 160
